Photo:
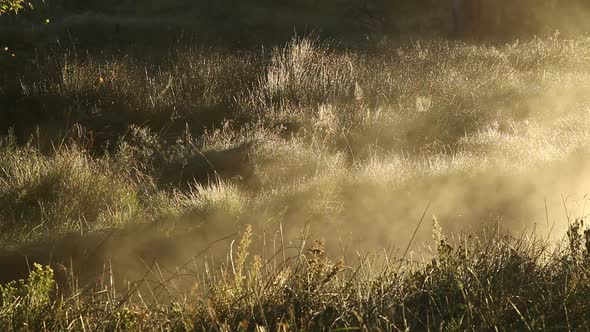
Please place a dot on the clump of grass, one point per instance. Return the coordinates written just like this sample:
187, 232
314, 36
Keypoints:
63, 192
305, 74
216, 198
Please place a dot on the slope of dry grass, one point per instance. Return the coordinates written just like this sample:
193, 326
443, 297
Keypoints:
152, 160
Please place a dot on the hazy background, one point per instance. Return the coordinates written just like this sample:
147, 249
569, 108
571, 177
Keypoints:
249, 23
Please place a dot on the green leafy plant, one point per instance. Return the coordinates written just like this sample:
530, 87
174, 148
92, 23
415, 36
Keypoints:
26, 302
13, 6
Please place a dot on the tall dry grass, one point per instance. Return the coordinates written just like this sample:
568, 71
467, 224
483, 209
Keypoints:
182, 152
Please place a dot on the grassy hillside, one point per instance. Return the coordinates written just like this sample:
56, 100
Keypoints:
184, 188
330, 128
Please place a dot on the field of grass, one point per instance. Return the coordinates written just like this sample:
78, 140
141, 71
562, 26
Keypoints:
256, 190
